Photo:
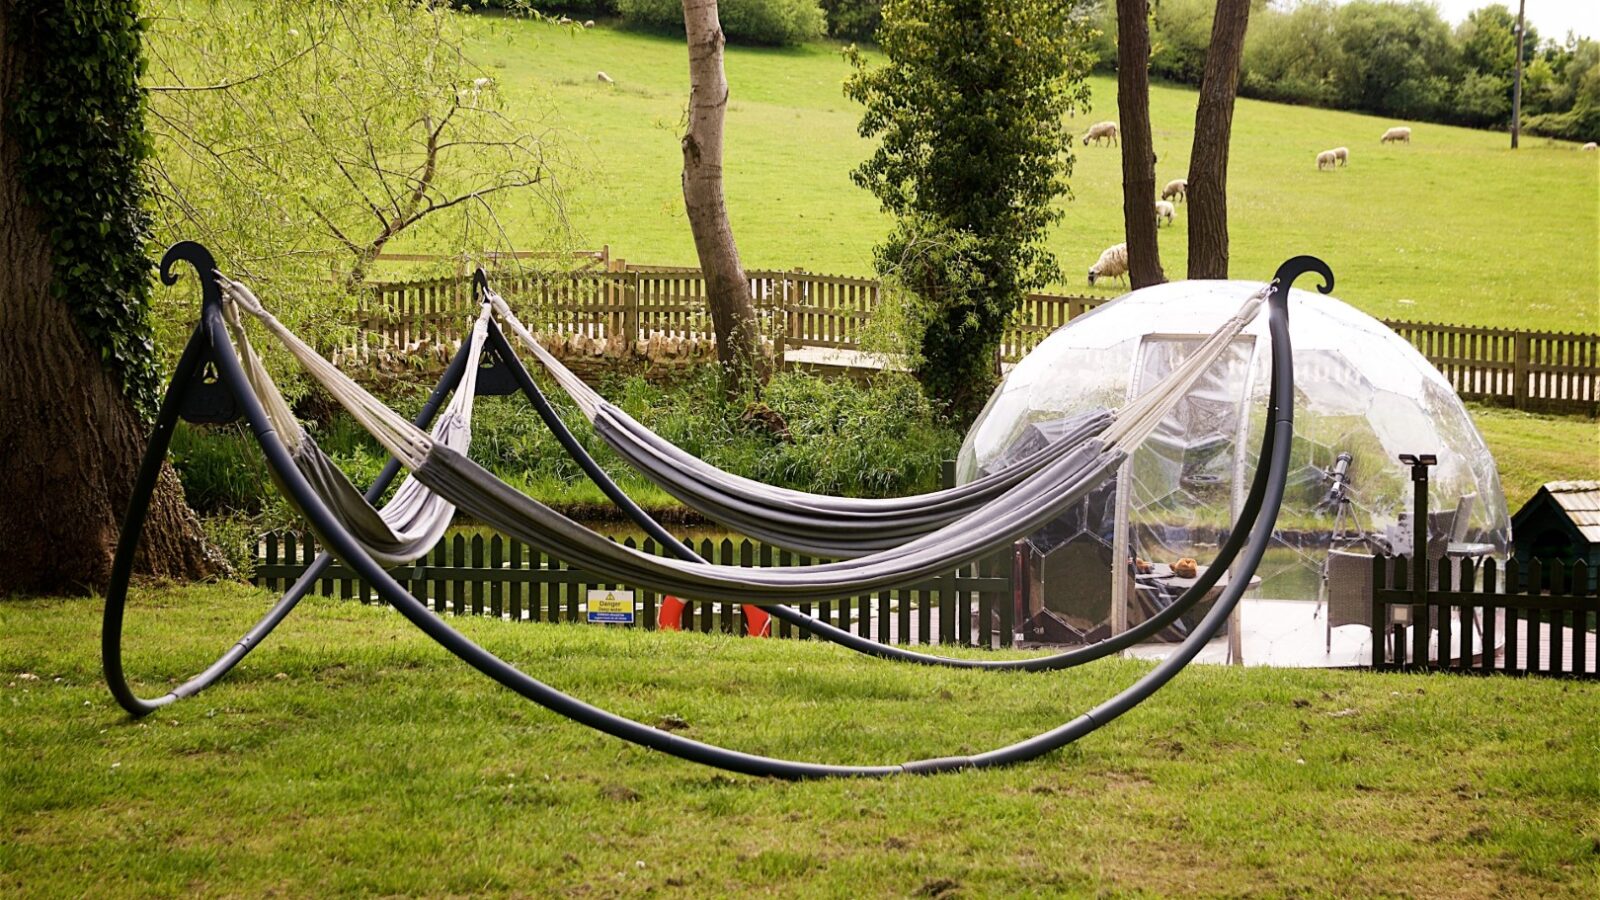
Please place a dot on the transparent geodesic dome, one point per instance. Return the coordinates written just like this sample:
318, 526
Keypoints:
1360, 390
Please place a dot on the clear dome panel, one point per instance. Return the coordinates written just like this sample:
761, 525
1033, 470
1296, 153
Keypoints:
1362, 397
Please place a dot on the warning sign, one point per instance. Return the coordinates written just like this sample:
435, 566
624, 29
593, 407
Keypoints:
611, 607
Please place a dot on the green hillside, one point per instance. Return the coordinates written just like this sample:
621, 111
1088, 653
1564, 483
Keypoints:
1455, 227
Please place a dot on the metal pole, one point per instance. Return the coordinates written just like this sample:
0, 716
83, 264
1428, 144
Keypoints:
1516, 90
1419, 463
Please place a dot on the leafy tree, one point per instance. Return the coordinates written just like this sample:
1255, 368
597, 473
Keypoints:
742, 21
301, 140
968, 112
855, 19
1488, 40
1397, 58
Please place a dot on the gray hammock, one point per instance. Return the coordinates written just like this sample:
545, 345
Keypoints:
840, 527
415, 518
1033, 501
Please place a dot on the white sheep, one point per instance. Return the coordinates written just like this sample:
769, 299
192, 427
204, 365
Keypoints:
1176, 189
1164, 210
1398, 134
603, 78
1101, 131
1326, 160
588, 23
1342, 154
1591, 146
1113, 263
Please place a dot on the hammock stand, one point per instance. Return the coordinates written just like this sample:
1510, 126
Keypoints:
209, 385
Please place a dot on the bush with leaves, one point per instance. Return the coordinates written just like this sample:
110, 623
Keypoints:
300, 140
743, 21
856, 20
967, 111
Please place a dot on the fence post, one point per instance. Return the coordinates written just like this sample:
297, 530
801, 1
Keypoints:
1521, 359
1380, 611
630, 311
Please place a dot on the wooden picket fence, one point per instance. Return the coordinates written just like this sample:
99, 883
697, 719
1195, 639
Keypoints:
503, 578
795, 308
1546, 611
1552, 371
1548, 370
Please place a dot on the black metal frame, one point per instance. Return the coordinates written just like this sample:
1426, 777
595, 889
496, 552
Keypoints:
210, 343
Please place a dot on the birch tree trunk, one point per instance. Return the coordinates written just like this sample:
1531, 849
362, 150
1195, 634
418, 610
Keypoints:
727, 290
70, 439
1138, 147
1213, 127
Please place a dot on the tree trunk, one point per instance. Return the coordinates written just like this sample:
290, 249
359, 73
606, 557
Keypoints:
733, 315
1213, 126
1138, 145
1516, 90
70, 440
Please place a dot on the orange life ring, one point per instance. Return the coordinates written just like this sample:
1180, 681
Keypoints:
670, 617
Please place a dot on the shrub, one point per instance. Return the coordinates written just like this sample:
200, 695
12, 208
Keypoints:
853, 19
1581, 123
878, 439
743, 21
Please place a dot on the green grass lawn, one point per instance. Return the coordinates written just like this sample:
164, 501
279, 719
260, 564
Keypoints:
1531, 449
1453, 228
351, 755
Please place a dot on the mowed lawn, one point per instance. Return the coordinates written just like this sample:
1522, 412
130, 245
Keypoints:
351, 755
1530, 449
1454, 227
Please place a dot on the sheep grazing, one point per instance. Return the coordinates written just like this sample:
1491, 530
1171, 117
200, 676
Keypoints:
1164, 210
1342, 154
1396, 136
1113, 263
1591, 146
588, 23
1177, 189
603, 78
1099, 131
1326, 160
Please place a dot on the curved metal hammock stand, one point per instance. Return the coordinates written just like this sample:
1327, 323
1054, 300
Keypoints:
209, 385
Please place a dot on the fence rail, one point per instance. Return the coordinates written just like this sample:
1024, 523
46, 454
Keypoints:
503, 578
1552, 371
1546, 613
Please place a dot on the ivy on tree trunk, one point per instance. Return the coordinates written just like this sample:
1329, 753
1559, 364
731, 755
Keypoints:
75, 345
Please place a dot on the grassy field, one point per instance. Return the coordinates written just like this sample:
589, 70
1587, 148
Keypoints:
351, 755
1453, 228
1531, 449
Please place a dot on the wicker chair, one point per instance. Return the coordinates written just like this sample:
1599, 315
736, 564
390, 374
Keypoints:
1347, 590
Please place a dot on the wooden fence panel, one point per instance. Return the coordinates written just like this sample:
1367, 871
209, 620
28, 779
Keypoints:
1538, 619
1553, 371
497, 576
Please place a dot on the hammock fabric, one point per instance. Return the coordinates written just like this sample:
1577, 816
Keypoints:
1036, 500
415, 518
845, 527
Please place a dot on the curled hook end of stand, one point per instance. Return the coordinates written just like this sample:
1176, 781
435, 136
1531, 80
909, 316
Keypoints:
1296, 266
480, 284
191, 252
